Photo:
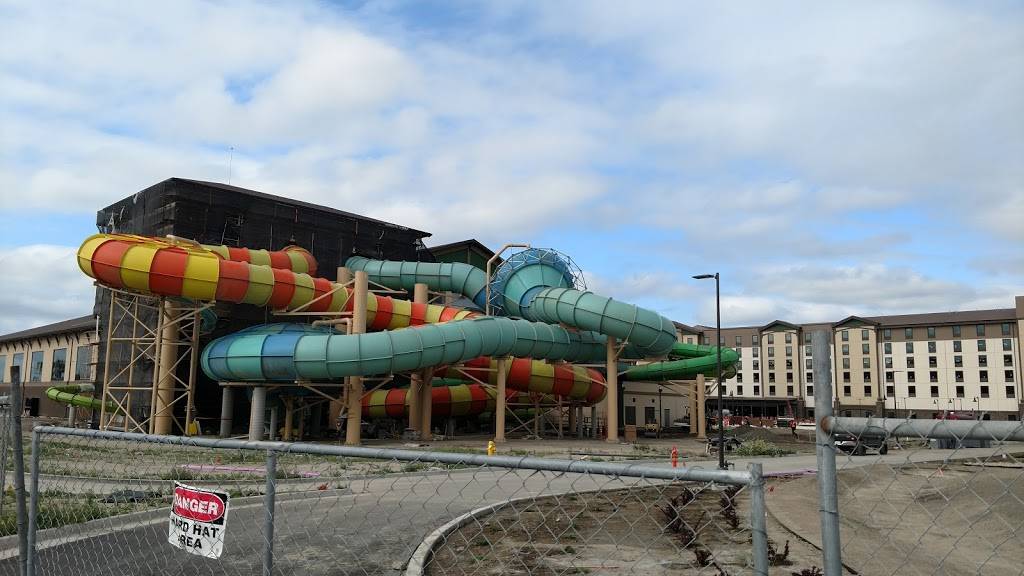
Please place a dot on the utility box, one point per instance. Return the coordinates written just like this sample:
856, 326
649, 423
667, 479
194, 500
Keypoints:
630, 433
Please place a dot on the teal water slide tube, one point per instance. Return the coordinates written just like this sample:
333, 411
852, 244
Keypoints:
541, 315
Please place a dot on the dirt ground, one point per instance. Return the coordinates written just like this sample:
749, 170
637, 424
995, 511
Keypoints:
619, 532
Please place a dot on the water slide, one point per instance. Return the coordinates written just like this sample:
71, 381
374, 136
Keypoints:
540, 314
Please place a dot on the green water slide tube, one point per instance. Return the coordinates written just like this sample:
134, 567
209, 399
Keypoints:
78, 395
688, 360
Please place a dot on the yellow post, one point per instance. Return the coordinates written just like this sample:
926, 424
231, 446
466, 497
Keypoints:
499, 401
612, 398
289, 409
334, 410
353, 432
491, 448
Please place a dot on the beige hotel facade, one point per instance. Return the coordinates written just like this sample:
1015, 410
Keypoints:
913, 365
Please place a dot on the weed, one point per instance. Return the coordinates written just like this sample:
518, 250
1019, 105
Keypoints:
776, 558
812, 571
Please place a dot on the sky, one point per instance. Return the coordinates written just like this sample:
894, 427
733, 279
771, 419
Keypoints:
826, 158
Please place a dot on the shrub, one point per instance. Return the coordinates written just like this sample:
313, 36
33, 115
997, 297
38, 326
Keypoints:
760, 447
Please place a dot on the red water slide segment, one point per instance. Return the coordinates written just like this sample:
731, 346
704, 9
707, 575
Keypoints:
527, 375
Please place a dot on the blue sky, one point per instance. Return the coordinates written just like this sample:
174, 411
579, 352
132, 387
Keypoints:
826, 158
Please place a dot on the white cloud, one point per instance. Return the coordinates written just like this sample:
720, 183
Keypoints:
42, 284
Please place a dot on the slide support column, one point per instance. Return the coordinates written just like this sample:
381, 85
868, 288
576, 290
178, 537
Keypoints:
353, 433
612, 396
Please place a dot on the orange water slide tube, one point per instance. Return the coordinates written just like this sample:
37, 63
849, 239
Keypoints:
169, 267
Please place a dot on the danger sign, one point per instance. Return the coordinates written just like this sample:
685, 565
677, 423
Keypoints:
198, 519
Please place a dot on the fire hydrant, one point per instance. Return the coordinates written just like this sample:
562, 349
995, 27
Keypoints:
492, 449
675, 457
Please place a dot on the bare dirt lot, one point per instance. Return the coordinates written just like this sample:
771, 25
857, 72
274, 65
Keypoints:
616, 532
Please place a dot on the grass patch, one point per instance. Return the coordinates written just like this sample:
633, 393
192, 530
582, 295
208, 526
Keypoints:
760, 447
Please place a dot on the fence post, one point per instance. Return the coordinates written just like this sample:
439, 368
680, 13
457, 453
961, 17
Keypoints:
828, 500
758, 522
5, 437
17, 406
268, 513
33, 506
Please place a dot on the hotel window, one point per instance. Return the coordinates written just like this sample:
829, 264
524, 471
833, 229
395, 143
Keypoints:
931, 347
958, 346
771, 338
1007, 359
808, 363
958, 361
60, 357
911, 376
888, 361
846, 363
934, 391
956, 331
908, 333
984, 391
933, 362
771, 391
910, 347
771, 351
810, 391
846, 335
1005, 329
959, 391
910, 362
865, 348
810, 377
84, 357
979, 329
739, 341
36, 367
887, 348
933, 376
807, 351
846, 391
739, 377
739, 391
958, 375
1007, 345
3, 366
890, 391
789, 376
866, 362
981, 345
864, 335
721, 340
757, 390
912, 391
771, 364
771, 376
982, 360
867, 391
689, 339
890, 376
707, 340
931, 332
789, 350
983, 375
789, 364
739, 351
846, 349
807, 337
846, 376
753, 340
867, 376
1011, 392
887, 333
789, 390
756, 351
789, 337
757, 365
1008, 375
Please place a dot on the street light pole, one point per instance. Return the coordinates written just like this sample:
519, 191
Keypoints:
718, 347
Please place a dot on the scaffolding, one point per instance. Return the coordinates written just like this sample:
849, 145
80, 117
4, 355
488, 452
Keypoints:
149, 368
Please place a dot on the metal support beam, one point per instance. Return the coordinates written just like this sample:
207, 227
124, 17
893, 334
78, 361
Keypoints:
612, 397
163, 412
337, 407
420, 295
701, 416
256, 410
828, 499
353, 432
227, 410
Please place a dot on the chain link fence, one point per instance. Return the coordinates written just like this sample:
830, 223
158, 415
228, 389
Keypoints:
117, 503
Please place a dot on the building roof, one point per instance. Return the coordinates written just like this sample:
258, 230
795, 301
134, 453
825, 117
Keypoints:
460, 245
284, 200
854, 319
81, 324
782, 323
965, 317
686, 327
